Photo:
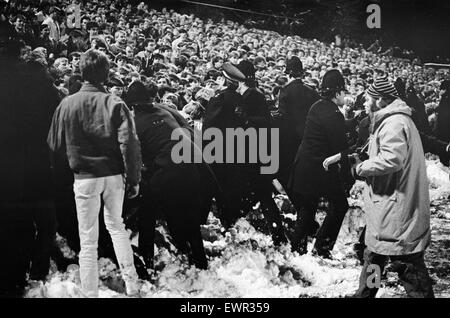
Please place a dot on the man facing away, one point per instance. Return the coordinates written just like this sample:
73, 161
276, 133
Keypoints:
97, 133
397, 201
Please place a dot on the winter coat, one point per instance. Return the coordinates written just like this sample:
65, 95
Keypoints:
255, 110
97, 132
254, 113
295, 101
27, 102
165, 179
324, 136
429, 142
220, 113
154, 125
397, 203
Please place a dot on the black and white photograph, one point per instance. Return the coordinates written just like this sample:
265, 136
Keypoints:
224, 153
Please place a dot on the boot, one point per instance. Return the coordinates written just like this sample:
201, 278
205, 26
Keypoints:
300, 246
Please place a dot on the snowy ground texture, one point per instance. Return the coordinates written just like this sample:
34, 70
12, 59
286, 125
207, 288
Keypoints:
245, 263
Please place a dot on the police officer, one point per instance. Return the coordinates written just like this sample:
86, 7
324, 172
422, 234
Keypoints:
175, 190
295, 100
324, 136
220, 113
254, 113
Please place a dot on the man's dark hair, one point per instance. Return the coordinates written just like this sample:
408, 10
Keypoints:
152, 89
94, 66
91, 25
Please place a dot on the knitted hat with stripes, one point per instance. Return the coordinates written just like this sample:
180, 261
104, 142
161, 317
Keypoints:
382, 88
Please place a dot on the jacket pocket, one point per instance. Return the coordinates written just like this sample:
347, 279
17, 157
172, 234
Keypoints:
386, 217
376, 198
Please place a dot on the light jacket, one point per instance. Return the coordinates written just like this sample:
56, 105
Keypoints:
397, 204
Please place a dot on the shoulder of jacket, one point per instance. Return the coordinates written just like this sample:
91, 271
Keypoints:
229, 94
320, 104
162, 108
395, 122
114, 99
291, 84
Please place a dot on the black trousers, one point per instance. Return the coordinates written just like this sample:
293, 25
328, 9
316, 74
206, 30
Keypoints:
262, 188
66, 215
185, 231
229, 196
413, 274
360, 247
27, 237
306, 206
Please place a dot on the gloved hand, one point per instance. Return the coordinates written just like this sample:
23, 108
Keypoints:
331, 160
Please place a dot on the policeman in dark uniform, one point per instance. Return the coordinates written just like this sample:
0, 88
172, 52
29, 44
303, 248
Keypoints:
324, 136
220, 113
254, 113
295, 100
174, 189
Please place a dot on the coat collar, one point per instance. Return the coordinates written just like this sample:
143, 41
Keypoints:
292, 80
88, 87
396, 107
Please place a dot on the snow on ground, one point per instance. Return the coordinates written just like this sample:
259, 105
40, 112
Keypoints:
438, 176
243, 262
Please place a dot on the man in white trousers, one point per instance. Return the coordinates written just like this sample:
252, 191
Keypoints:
97, 133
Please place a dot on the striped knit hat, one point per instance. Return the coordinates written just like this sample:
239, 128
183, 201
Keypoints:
382, 88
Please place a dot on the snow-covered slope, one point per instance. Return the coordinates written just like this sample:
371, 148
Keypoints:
244, 262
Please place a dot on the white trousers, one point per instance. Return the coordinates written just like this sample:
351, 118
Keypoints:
87, 198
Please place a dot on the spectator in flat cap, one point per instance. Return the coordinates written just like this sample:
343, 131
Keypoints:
115, 86
76, 41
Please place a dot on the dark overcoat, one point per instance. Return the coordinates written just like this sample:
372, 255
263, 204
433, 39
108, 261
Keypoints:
324, 136
294, 103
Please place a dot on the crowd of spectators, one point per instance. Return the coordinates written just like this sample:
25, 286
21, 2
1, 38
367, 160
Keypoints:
179, 59
181, 55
